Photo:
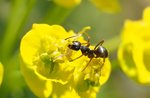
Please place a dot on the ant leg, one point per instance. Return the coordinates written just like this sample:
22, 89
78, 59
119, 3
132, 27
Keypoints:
80, 33
88, 40
88, 37
102, 65
87, 64
75, 58
83, 31
78, 36
99, 44
88, 43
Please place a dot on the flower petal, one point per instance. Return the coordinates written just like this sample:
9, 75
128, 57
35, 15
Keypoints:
134, 50
146, 15
40, 86
1, 72
46, 65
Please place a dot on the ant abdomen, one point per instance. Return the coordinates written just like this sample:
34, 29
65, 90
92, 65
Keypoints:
101, 52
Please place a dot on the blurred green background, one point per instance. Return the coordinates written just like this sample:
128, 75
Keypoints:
107, 26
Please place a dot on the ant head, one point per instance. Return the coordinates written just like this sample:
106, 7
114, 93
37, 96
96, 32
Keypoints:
101, 52
75, 45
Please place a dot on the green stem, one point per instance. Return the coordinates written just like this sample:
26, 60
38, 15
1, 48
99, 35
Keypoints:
57, 14
112, 44
13, 82
19, 13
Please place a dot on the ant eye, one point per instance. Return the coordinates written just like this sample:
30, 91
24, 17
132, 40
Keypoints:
75, 46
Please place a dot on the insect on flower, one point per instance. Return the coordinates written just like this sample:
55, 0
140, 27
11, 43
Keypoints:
98, 51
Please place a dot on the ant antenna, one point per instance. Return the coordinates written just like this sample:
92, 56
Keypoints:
99, 44
76, 58
84, 31
87, 64
70, 37
80, 33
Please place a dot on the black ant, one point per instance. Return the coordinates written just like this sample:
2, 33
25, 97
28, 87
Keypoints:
98, 51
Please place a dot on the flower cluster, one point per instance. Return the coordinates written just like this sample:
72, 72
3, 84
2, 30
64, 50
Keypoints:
134, 51
46, 66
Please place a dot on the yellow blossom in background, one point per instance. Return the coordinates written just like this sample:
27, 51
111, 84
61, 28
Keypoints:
104, 5
1, 72
107, 5
134, 51
46, 67
67, 3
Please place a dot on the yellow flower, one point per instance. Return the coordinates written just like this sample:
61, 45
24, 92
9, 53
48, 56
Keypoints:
1, 72
67, 3
46, 66
134, 51
104, 5
107, 5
